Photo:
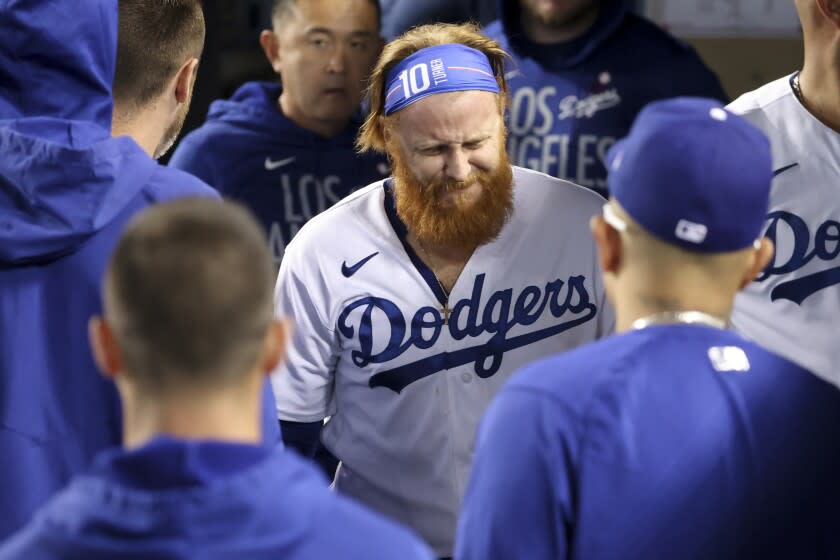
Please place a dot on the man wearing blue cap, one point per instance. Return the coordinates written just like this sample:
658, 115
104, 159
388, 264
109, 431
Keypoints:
415, 298
676, 438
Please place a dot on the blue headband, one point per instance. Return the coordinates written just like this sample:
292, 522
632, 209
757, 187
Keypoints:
438, 69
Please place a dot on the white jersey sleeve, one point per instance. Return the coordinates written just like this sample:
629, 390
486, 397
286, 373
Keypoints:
303, 385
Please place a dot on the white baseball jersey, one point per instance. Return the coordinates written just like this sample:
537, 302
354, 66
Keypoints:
793, 308
404, 388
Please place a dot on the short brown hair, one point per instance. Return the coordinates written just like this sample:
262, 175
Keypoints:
155, 38
188, 293
469, 34
283, 8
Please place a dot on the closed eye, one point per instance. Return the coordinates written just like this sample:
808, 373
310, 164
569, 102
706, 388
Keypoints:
431, 150
474, 145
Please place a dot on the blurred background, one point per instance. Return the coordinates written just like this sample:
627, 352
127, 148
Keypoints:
746, 42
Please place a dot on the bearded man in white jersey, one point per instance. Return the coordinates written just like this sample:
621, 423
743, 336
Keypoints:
793, 307
416, 297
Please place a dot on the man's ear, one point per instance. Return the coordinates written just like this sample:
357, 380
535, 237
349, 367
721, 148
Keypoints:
106, 350
276, 341
761, 256
185, 80
271, 47
608, 242
830, 9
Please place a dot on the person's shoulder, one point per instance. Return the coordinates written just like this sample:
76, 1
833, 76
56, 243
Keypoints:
679, 70
564, 391
343, 220
294, 473
216, 138
238, 124
770, 98
767, 363
774, 109
359, 533
553, 194
200, 136
573, 376
777, 389
646, 33
355, 532
344, 212
57, 528
530, 178
168, 183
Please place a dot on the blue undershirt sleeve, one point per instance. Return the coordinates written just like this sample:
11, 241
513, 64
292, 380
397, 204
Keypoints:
305, 438
270, 428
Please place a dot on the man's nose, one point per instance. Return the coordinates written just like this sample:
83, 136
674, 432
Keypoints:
458, 164
337, 61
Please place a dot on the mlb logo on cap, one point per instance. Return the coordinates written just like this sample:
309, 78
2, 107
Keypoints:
693, 175
693, 233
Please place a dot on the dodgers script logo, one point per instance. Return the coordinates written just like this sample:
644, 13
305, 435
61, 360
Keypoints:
826, 247
567, 300
573, 107
543, 136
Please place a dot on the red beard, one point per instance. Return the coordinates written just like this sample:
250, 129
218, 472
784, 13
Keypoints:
458, 224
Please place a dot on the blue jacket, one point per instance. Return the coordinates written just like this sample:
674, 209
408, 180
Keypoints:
571, 101
398, 16
179, 499
67, 190
674, 441
250, 152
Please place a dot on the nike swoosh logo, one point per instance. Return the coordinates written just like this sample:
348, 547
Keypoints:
783, 169
349, 271
272, 165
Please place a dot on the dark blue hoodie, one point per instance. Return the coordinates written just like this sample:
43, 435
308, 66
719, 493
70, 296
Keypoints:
571, 101
250, 152
67, 190
398, 16
208, 500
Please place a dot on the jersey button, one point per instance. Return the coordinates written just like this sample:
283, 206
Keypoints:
466, 377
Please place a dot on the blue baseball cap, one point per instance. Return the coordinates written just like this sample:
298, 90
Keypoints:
693, 175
